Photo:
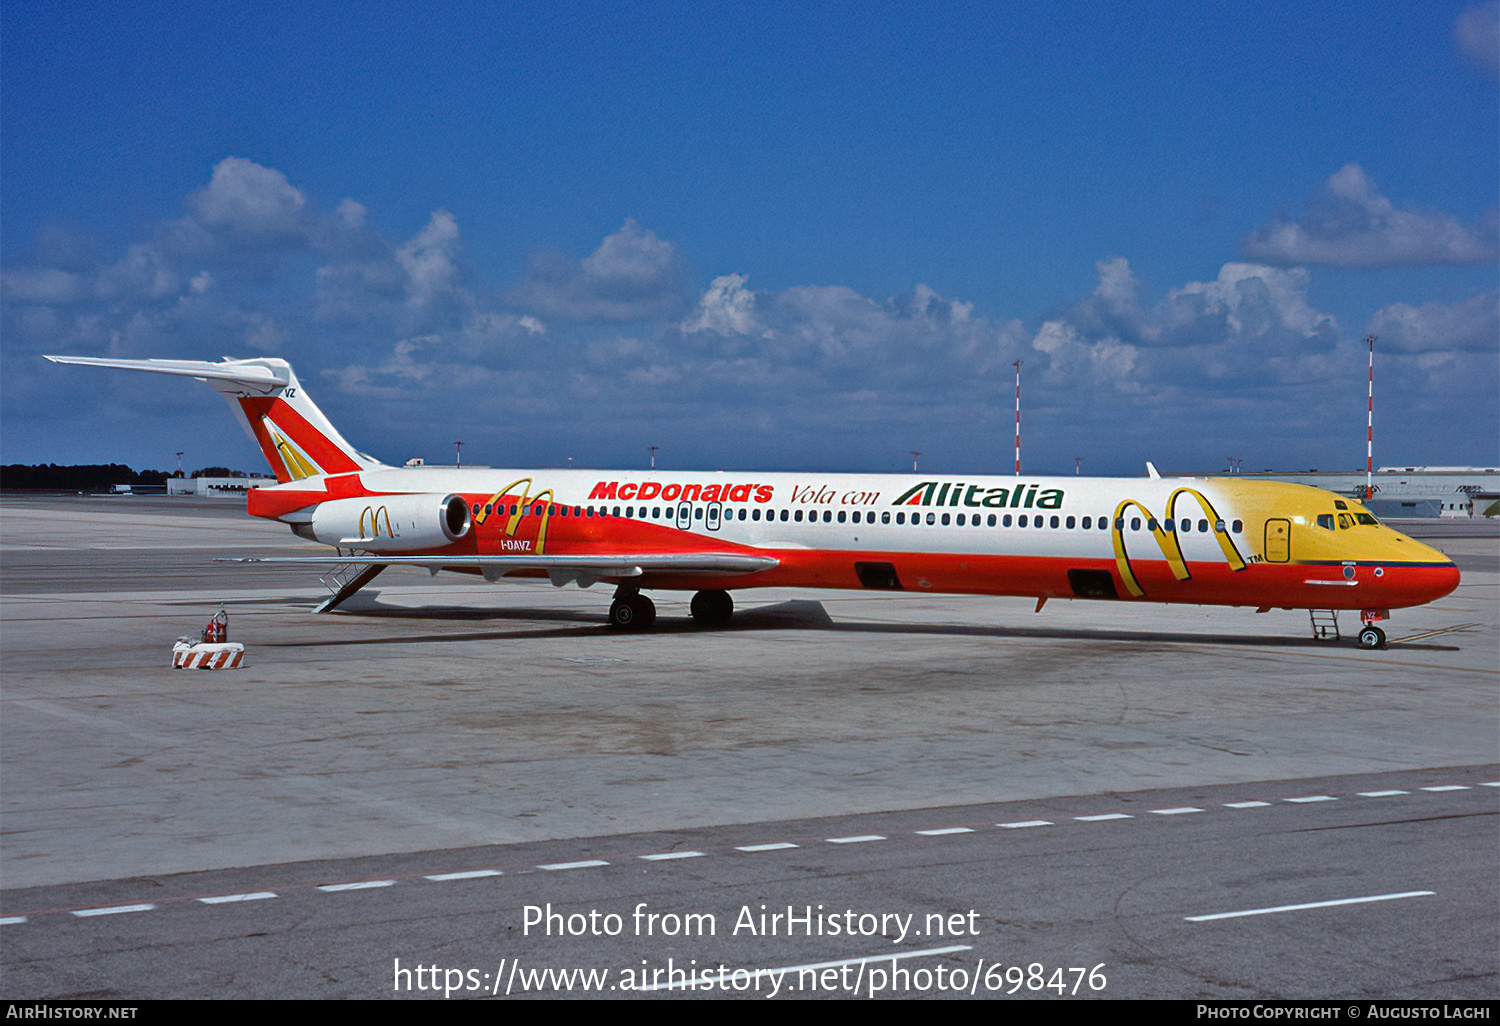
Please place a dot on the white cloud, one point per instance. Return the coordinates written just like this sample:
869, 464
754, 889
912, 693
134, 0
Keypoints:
42, 286
1253, 301
1350, 224
1471, 325
1476, 33
429, 260
1074, 362
253, 204
632, 276
727, 308
142, 273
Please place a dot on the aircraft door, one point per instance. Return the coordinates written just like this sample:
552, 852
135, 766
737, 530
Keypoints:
685, 515
1278, 541
715, 514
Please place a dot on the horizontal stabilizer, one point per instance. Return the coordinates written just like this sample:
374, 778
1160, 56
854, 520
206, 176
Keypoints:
230, 370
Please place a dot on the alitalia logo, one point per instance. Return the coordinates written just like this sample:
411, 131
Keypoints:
957, 493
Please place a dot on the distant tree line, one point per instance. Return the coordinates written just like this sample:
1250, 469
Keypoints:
49, 477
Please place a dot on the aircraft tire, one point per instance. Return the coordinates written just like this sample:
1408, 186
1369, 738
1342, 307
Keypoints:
622, 615
636, 613
1372, 637
712, 608
645, 613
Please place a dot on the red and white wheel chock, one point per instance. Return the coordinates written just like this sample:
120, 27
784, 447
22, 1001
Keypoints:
213, 652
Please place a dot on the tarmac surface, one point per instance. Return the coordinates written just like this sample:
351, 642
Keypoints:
435, 726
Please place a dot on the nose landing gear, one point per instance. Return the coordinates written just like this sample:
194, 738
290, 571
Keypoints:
1371, 636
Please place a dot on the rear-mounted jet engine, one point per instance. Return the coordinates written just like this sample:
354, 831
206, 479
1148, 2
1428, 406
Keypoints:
388, 523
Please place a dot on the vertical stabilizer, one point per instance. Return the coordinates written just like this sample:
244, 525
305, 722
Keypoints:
295, 437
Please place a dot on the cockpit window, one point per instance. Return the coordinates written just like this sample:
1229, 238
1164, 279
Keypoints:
1325, 521
1340, 504
1365, 518
1345, 521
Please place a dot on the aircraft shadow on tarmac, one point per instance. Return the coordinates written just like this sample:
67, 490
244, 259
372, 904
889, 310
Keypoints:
803, 615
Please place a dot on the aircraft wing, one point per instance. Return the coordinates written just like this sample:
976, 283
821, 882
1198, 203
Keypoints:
561, 569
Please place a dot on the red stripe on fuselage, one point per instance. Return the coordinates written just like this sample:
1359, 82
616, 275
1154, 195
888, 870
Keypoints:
1211, 582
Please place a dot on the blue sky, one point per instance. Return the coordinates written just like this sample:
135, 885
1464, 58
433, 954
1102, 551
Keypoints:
760, 235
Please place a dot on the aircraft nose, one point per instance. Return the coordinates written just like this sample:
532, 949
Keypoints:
1431, 582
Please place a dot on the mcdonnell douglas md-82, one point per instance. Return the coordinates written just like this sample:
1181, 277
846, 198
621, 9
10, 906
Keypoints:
1209, 541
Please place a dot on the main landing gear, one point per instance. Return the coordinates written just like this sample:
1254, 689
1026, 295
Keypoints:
712, 608
632, 611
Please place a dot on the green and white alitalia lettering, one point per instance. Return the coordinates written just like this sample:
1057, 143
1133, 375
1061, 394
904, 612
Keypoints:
958, 493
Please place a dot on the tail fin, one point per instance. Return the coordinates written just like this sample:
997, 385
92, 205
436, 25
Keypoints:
293, 435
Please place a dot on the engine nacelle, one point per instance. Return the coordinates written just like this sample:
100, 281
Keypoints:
388, 523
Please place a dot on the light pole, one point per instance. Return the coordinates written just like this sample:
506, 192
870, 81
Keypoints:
1018, 418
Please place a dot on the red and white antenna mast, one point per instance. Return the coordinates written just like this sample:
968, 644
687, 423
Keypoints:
1370, 426
1018, 418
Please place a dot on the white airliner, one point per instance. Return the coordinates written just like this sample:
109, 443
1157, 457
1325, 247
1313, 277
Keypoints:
1209, 541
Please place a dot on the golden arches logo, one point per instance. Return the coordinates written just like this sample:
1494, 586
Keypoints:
298, 466
492, 506
375, 513
1167, 541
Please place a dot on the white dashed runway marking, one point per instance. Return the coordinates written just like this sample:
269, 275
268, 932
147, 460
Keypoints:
475, 874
